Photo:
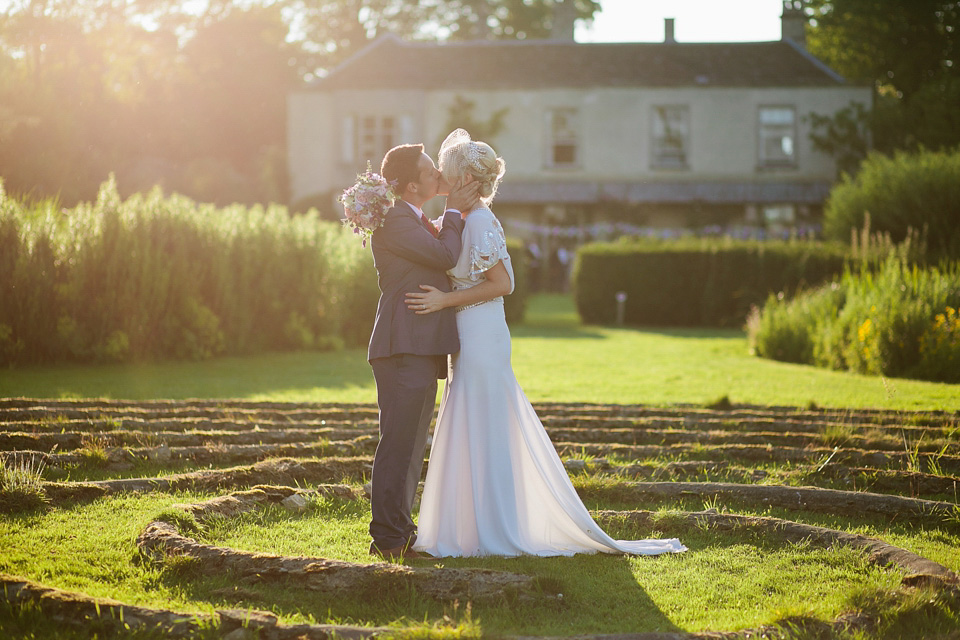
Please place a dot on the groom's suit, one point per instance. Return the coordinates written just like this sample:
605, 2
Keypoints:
408, 352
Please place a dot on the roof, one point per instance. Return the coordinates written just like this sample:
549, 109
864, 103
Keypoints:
391, 63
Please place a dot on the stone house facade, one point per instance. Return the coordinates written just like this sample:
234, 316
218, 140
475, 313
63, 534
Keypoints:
599, 139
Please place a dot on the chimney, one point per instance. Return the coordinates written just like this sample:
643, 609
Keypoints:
564, 20
793, 22
668, 30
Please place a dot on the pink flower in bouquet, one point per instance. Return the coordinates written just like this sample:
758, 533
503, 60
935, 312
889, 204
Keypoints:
366, 203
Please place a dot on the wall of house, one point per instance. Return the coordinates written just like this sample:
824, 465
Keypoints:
617, 130
615, 139
316, 137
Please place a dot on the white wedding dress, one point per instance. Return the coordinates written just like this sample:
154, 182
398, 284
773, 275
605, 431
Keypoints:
495, 485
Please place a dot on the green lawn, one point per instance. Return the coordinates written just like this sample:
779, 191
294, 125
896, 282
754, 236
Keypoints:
555, 358
735, 579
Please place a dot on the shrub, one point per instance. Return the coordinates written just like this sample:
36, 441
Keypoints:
899, 321
919, 191
695, 283
788, 330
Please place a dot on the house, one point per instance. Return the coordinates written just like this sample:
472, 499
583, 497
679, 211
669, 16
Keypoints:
598, 138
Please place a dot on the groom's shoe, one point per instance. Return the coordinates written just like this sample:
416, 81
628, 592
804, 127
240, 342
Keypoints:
404, 552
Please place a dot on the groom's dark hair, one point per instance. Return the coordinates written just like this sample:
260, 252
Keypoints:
400, 164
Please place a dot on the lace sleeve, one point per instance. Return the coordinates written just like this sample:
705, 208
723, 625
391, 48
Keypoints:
487, 247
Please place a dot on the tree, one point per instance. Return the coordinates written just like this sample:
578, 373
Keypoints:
908, 49
192, 95
506, 19
460, 115
331, 31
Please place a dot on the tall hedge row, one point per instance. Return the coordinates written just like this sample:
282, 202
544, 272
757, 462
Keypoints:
157, 277
918, 191
694, 283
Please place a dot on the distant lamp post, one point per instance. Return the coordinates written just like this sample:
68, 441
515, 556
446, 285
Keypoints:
621, 305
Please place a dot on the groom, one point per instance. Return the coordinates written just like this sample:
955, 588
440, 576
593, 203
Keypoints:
408, 352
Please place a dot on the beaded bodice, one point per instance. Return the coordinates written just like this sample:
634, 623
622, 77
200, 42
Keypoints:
484, 245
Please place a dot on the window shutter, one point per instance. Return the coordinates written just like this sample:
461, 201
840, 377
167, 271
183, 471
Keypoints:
405, 134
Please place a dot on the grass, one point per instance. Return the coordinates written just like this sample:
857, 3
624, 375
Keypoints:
736, 579
554, 358
729, 580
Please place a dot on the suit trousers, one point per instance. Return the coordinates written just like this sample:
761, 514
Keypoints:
407, 396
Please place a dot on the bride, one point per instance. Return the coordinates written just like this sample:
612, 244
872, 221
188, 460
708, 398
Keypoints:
495, 485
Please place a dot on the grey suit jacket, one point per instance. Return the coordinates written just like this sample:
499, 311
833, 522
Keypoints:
407, 255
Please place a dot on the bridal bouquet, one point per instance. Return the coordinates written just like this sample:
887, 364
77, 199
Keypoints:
366, 203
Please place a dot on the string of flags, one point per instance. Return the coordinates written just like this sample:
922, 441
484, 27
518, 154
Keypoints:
611, 230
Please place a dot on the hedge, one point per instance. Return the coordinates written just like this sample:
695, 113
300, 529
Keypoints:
157, 277
697, 282
918, 191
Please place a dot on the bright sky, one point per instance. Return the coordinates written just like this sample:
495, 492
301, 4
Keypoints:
694, 21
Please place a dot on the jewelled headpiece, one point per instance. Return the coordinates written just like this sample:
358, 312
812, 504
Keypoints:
458, 153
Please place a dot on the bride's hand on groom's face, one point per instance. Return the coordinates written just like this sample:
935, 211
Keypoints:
426, 301
464, 197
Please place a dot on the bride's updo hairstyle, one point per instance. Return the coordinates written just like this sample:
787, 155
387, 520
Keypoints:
460, 156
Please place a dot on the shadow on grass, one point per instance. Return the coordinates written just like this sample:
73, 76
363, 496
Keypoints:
230, 377
600, 594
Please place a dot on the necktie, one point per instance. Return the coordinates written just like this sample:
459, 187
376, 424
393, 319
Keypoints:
429, 225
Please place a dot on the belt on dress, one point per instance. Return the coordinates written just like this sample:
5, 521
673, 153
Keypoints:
477, 304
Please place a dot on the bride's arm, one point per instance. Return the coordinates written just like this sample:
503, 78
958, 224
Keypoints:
497, 284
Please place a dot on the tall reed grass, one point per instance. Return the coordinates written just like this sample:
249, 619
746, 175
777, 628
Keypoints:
898, 320
156, 277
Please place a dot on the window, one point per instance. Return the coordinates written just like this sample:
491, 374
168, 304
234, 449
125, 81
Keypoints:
563, 125
368, 138
780, 215
375, 137
671, 136
778, 134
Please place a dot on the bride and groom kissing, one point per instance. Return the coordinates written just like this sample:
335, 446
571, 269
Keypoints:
495, 484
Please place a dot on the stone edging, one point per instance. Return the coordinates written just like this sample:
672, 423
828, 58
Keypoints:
162, 539
920, 570
286, 471
816, 499
78, 610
